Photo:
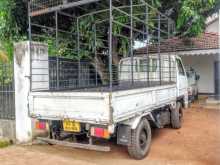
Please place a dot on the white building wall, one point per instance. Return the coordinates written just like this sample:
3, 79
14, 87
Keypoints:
213, 27
204, 66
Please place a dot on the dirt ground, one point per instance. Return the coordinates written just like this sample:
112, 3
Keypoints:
196, 143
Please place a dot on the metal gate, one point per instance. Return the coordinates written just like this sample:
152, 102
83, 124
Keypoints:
217, 77
7, 101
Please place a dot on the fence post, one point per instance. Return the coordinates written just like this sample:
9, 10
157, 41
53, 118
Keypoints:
23, 54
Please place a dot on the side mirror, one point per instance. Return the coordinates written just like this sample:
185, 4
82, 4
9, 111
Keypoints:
197, 77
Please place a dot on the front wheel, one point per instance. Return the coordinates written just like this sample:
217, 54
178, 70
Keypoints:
177, 116
140, 140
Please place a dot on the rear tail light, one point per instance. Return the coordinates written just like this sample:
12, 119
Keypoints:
41, 125
100, 132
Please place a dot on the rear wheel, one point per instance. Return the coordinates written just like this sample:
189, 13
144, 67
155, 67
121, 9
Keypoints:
177, 116
140, 140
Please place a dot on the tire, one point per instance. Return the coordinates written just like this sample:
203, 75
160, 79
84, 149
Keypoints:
177, 116
140, 140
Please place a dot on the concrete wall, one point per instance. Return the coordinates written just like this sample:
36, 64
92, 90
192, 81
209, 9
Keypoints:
204, 66
22, 74
7, 129
40, 67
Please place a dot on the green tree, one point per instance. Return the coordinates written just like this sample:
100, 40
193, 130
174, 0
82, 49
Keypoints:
189, 16
192, 15
13, 18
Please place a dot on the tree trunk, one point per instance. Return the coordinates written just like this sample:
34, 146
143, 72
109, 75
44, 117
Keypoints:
101, 69
115, 58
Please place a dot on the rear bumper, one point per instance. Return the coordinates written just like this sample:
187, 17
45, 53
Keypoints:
89, 146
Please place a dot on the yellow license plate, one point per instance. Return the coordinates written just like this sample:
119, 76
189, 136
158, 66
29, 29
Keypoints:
71, 126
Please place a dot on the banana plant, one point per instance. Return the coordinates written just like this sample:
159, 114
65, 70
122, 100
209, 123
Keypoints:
3, 57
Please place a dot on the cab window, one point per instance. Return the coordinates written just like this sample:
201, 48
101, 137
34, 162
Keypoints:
136, 65
125, 66
143, 65
180, 67
153, 65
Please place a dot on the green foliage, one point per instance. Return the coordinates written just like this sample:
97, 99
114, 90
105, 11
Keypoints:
191, 18
6, 72
87, 31
6, 27
4, 143
87, 35
9, 29
118, 31
65, 47
51, 46
3, 57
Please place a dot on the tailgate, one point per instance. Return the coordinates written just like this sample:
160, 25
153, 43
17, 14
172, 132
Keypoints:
79, 106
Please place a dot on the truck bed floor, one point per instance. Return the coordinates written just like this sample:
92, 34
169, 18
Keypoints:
117, 87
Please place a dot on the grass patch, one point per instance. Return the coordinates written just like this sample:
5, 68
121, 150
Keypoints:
4, 143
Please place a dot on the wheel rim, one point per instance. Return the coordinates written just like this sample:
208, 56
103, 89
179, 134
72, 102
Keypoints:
143, 139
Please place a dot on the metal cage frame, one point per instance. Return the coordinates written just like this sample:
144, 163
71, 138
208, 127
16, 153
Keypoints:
163, 28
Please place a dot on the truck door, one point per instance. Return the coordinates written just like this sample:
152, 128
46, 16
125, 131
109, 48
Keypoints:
182, 83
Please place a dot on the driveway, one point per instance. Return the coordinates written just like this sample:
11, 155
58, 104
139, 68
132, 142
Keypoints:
196, 143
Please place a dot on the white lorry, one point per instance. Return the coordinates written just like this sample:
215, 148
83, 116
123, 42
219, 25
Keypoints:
127, 112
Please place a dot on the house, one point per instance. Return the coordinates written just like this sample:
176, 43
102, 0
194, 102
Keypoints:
205, 59
201, 53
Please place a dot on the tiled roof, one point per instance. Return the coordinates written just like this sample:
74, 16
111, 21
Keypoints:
203, 42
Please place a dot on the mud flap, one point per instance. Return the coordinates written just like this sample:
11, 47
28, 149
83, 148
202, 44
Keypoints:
124, 135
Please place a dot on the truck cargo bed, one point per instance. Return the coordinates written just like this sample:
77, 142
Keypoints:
116, 87
125, 86
100, 107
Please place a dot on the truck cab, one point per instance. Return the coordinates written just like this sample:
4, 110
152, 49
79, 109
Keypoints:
182, 84
152, 70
